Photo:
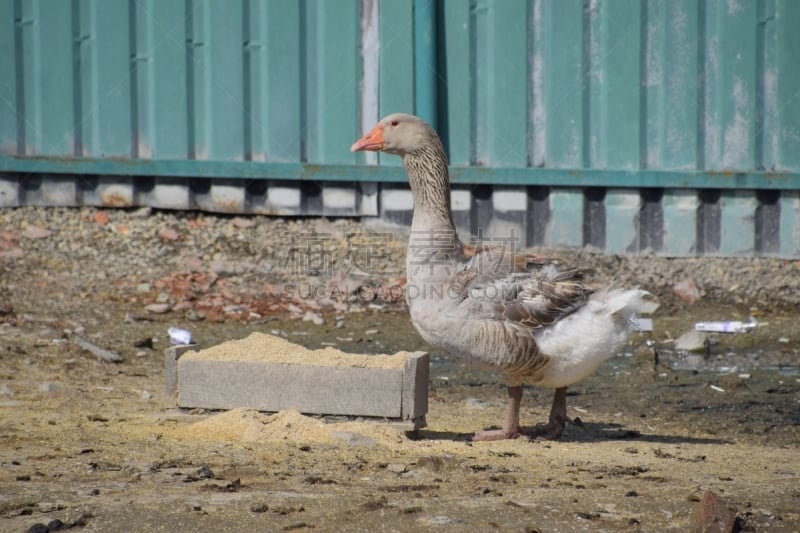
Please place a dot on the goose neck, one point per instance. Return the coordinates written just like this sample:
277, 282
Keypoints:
430, 186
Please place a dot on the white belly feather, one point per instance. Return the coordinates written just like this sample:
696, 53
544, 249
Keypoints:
581, 342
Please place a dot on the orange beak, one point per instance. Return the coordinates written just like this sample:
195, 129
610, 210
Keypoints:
372, 141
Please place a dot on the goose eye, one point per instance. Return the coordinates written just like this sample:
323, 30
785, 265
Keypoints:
394, 123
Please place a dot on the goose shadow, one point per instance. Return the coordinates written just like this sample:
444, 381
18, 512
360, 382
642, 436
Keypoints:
583, 432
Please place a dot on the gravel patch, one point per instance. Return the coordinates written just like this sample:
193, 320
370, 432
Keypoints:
216, 267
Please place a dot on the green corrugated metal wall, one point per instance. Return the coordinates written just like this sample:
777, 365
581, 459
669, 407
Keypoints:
175, 79
624, 84
620, 96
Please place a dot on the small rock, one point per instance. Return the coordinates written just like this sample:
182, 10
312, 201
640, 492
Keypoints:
158, 308
14, 253
204, 472
185, 305
316, 318
143, 288
242, 223
713, 515
35, 232
142, 212
81, 521
101, 217
168, 234
144, 343
163, 297
692, 341
397, 468
194, 316
55, 525
8, 244
97, 351
198, 223
192, 263
687, 291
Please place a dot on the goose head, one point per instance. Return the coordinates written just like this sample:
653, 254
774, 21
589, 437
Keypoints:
398, 134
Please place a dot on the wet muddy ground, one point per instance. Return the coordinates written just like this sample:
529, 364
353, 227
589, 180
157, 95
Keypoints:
87, 443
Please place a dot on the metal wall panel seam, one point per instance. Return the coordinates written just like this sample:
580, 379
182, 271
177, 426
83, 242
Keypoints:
370, 48
702, 82
9, 114
29, 123
142, 85
200, 79
536, 123
425, 67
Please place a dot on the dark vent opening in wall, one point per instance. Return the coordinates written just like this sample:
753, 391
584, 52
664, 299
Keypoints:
594, 217
538, 215
481, 211
144, 184
31, 183
87, 183
768, 222
200, 186
255, 194
709, 216
651, 220
310, 197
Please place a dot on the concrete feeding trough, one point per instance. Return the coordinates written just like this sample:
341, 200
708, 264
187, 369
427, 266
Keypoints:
269, 373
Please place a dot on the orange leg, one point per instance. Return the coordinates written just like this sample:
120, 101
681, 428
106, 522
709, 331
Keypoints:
558, 417
511, 428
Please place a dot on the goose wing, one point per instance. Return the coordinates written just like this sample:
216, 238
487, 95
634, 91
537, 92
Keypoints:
521, 289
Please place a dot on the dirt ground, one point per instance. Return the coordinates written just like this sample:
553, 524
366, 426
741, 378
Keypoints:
87, 444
